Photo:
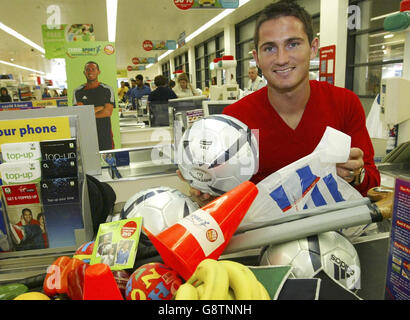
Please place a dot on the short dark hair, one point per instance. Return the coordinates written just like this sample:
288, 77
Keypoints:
93, 62
284, 8
139, 77
160, 81
26, 209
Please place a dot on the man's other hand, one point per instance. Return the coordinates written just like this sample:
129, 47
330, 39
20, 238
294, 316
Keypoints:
200, 198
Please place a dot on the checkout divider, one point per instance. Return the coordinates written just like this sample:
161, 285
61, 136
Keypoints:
141, 172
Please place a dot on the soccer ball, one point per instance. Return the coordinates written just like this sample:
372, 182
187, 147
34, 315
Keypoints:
217, 153
160, 207
152, 281
329, 251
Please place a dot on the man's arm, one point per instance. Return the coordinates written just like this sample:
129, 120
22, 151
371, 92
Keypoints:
104, 111
362, 152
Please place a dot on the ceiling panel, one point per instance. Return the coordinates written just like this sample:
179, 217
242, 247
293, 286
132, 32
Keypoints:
138, 20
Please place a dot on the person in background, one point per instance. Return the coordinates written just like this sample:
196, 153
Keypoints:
122, 90
64, 93
127, 96
101, 96
42, 222
46, 93
27, 233
255, 82
171, 84
292, 112
4, 97
139, 91
124, 252
183, 87
162, 93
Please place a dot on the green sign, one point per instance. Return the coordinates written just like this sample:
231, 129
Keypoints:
102, 54
54, 40
116, 243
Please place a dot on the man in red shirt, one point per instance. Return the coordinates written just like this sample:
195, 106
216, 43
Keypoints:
291, 112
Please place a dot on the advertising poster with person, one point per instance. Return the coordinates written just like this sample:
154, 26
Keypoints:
92, 80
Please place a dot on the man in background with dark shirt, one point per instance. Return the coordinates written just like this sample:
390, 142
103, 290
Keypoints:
102, 97
139, 91
162, 93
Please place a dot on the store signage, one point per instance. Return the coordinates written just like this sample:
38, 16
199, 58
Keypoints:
16, 105
135, 68
181, 39
206, 4
149, 45
54, 40
81, 32
36, 129
103, 53
143, 60
327, 63
398, 267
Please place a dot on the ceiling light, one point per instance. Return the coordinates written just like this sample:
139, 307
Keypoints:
214, 20
111, 6
383, 16
21, 37
390, 35
20, 67
377, 34
206, 26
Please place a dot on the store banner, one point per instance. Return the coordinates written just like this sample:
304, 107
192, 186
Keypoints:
103, 56
54, 40
327, 62
149, 45
34, 129
81, 32
143, 60
136, 68
206, 4
398, 267
181, 40
16, 105
122, 73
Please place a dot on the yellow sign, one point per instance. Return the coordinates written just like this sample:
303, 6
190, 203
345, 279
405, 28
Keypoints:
122, 73
38, 129
44, 103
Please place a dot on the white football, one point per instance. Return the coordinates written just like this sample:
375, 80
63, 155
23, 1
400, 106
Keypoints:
160, 207
217, 153
329, 251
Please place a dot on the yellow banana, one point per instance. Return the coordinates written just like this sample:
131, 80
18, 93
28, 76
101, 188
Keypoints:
186, 291
239, 280
253, 283
200, 290
230, 295
214, 279
264, 295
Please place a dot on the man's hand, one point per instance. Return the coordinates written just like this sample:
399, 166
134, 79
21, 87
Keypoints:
350, 169
199, 197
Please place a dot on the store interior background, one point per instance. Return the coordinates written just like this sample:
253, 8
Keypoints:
370, 55
376, 55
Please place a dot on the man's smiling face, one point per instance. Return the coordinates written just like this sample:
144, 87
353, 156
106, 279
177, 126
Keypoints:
284, 53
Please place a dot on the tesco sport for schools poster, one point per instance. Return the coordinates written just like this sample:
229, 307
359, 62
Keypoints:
92, 80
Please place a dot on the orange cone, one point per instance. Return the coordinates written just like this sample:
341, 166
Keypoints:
99, 283
204, 233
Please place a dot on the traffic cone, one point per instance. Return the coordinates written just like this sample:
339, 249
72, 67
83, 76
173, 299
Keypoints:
204, 233
100, 284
